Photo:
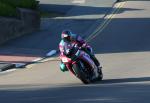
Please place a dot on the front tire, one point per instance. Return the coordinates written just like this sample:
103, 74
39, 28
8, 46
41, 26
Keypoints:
80, 73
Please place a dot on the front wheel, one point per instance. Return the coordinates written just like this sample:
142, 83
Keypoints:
80, 73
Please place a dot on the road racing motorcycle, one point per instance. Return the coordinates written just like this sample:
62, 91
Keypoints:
81, 65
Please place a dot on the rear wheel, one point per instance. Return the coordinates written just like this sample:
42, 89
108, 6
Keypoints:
80, 73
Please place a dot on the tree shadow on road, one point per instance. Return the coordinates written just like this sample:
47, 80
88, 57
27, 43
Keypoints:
123, 35
125, 80
106, 92
81, 10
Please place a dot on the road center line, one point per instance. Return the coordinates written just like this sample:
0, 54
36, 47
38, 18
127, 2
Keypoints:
107, 20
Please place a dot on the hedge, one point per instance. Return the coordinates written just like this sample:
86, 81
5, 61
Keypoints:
7, 10
30, 4
9, 7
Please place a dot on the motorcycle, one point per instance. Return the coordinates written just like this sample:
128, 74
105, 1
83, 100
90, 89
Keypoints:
81, 65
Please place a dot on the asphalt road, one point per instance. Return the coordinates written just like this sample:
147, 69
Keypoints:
37, 44
78, 15
123, 49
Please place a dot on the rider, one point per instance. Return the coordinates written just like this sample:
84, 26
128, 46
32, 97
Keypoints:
68, 37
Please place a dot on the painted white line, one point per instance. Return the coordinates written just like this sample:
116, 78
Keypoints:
51, 59
107, 20
30, 66
7, 71
78, 1
52, 52
17, 65
35, 60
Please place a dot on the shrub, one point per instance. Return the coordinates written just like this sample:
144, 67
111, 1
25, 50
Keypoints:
9, 7
29, 4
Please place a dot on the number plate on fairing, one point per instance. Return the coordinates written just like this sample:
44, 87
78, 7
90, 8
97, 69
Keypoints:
64, 60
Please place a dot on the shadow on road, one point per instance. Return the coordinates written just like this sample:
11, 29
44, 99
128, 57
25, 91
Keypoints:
95, 93
80, 10
126, 80
123, 35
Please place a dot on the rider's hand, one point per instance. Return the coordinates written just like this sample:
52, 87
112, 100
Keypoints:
84, 45
68, 51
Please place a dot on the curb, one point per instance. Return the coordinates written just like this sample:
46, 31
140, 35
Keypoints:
6, 66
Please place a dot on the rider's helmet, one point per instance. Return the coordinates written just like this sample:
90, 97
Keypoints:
66, 35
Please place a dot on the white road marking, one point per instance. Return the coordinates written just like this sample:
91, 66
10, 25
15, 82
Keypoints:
78, 1
7, 71
52, 52
107, 20
35, 60
17, 65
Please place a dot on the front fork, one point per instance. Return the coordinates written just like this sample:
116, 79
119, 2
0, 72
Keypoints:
69, 66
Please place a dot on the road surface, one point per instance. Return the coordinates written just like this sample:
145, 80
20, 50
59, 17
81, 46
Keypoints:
123, 49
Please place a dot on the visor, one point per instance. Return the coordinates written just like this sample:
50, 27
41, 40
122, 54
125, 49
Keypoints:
65, 35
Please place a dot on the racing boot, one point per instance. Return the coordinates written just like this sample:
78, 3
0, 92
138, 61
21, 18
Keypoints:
95, 74
95, 60
100, 77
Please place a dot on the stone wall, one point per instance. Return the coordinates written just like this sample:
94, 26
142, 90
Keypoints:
29, 21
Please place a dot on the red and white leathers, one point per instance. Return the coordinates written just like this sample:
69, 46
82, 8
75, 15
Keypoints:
75, 39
